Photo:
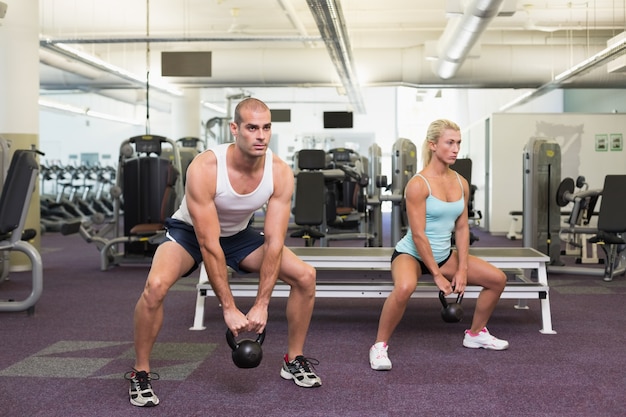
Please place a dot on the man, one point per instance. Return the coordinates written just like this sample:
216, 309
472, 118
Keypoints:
224, 187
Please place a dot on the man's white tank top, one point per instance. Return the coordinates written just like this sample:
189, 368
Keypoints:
234, 210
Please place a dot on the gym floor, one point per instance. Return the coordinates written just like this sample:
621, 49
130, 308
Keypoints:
69, 357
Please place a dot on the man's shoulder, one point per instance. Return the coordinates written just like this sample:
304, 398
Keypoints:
204, 160
278, 161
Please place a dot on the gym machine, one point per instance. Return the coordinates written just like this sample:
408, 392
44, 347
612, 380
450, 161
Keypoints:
17, 191
148, 189
331, 200
577, 230
347, 209
544, 195
217, 129
375, 224
542, 216
4, 167
404, 167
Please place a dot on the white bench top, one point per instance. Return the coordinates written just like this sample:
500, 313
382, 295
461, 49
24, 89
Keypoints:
380, 258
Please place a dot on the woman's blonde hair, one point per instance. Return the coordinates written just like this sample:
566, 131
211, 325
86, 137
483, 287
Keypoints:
434, 132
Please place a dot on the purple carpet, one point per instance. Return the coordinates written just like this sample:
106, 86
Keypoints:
69, 357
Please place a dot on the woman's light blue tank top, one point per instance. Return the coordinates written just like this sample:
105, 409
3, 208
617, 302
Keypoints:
440, 219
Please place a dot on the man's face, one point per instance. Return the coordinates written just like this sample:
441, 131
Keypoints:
254, 133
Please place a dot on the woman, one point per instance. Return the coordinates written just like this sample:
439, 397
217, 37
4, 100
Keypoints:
436, 205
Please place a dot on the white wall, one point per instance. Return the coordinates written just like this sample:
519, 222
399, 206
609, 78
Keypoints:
576, 135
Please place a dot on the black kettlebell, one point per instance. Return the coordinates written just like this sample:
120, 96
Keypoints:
247, 353
451, 312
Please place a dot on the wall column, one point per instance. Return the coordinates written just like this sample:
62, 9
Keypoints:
186, 115
19, 95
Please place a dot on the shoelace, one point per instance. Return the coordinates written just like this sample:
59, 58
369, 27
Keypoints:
306, 364
380, 352
142, 381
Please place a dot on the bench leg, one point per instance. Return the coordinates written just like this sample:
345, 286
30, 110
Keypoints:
546, 316
198, 319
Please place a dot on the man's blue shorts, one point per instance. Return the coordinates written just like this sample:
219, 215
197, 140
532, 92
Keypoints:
235, 247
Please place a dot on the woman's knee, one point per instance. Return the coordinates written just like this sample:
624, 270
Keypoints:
497, 280
501, 280
404, 289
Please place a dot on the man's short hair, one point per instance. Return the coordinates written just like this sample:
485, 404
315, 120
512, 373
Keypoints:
251, 103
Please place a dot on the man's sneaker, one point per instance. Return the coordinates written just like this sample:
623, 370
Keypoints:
379, 361
140, 390
300, 370
484, 340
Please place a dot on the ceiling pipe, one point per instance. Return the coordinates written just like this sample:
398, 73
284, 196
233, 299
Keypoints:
330, 23
456, 47
291, 14
170, 39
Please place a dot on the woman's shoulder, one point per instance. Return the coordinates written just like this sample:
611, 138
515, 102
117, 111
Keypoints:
418, 185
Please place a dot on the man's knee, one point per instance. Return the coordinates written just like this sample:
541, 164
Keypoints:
155, 290
306, 278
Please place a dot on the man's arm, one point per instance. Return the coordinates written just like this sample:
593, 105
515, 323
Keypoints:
275, 230
200, 194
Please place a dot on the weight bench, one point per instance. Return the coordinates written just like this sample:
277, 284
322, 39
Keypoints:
14, 204
376, 261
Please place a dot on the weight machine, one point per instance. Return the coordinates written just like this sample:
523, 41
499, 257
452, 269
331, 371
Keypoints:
403, 167
542, 216
148, 189
331, 200
576, 232
17, 191
545, 194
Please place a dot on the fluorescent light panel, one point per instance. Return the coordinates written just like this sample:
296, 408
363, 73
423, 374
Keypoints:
105, 66
68, 108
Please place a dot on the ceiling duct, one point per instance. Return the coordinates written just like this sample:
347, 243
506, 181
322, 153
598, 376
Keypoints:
616, 49
329, 19
456, 46
94, 62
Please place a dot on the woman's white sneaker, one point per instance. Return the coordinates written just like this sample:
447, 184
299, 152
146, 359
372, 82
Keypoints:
379, 361
484, 340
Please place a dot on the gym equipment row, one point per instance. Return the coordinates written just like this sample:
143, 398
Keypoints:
339, 194
73, 194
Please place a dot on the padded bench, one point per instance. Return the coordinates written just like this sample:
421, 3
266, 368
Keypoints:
528, 266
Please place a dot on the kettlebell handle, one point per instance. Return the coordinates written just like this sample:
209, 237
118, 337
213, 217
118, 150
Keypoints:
444, 302
442, 298
230, 338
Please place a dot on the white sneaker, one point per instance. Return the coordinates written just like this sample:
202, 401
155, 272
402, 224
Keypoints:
379, 361
484, 340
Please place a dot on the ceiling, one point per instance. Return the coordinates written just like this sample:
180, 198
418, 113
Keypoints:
280, 43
